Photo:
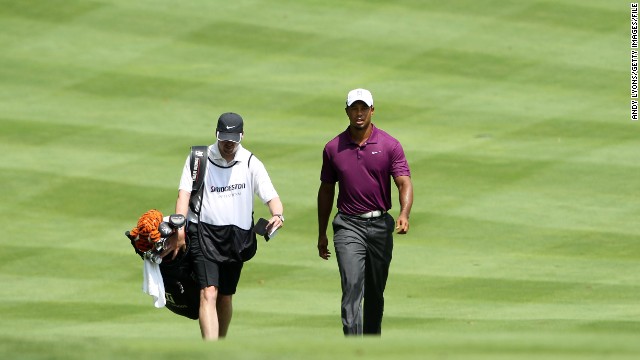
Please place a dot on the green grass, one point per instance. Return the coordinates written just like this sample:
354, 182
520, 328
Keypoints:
514, 116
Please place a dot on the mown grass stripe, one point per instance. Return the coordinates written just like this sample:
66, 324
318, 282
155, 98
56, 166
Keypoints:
54, 11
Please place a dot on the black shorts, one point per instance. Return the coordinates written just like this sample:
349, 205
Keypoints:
224, 276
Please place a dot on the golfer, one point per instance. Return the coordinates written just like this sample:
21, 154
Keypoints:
362, 160
220, 238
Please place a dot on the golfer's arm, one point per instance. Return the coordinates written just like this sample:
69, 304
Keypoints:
326, 195
405, 192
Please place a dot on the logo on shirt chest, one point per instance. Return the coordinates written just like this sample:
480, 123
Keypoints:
233, 187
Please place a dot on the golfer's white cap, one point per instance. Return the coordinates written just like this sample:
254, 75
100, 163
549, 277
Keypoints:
360, 94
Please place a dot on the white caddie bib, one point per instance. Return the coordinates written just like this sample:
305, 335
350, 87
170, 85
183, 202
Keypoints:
227, 196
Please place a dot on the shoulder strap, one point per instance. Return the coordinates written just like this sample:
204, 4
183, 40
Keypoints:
198, 166
249, 162
198, 170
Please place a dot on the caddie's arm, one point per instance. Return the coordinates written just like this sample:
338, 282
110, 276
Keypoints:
276, 209
177, 241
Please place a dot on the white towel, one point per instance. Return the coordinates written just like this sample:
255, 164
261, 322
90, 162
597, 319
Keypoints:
152, 283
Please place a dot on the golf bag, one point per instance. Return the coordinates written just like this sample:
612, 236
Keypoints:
180, 286
182, 292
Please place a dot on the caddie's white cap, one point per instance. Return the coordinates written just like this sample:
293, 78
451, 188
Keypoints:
360, 94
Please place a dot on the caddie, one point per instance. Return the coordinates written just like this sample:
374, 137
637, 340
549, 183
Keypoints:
219, 228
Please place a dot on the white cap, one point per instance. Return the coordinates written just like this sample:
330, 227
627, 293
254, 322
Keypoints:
360, 94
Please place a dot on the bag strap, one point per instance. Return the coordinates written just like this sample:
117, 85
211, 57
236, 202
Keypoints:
198, 166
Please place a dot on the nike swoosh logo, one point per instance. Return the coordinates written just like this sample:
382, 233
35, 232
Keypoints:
230, 127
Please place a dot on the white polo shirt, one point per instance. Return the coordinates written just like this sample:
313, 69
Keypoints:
229, 188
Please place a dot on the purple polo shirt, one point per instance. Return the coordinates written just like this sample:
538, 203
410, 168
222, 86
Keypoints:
363, 173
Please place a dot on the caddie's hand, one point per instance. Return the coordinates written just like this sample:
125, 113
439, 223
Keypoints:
323, 247
174, 244
402, 224
275, 223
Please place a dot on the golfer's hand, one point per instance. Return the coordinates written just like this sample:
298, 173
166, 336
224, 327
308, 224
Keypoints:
402, 225
323, 247
174, 244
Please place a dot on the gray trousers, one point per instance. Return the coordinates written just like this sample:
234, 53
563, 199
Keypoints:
363, 250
